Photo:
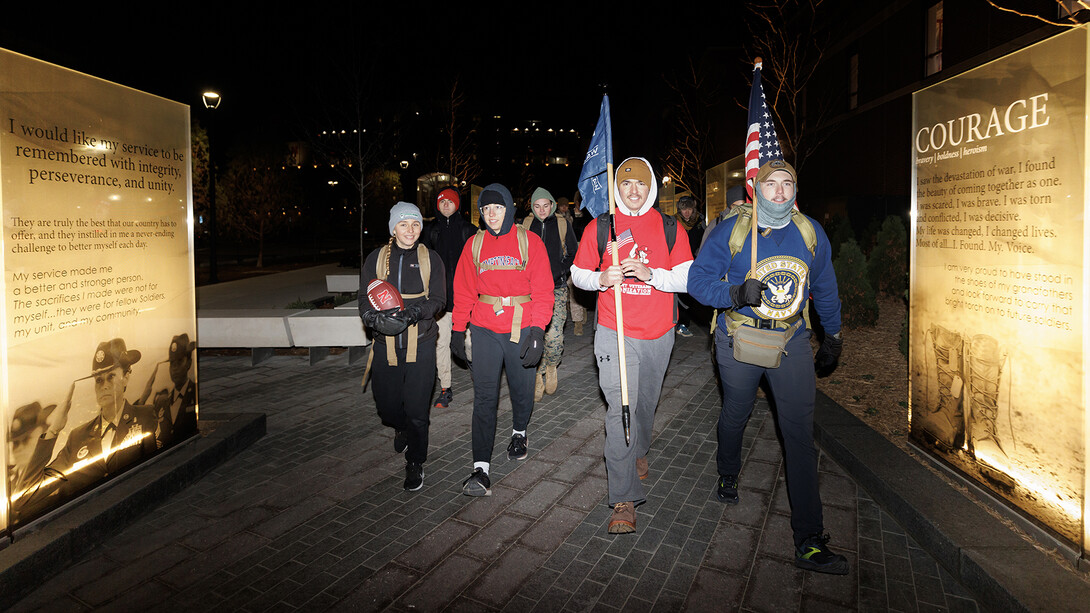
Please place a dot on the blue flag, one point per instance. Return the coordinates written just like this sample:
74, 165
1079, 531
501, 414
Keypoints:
592, 180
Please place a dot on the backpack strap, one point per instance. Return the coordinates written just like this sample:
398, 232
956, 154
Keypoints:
423, 260
737, 239
741, 228
669, 228
562, 227
383, 262
524, 245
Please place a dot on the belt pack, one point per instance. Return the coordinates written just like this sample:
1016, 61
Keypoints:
762, 346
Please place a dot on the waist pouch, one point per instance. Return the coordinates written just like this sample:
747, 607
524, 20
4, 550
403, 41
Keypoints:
762, 347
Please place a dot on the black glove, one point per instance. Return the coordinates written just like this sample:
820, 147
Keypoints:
410, 314
388, 324
458, 345
531, 346
828, 355
369, 318
747, 294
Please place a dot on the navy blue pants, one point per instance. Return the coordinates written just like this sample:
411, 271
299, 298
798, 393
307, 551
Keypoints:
793, 385
493, 354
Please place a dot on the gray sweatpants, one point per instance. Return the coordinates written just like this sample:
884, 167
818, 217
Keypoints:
646, 362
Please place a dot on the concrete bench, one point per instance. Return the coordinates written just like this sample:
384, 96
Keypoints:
261, 330
342, 284
321, 329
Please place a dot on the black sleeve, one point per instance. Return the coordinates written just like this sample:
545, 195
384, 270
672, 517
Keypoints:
437, 288
571, 245
367, 274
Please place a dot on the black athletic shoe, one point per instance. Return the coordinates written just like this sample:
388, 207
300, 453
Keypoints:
517, 449
401, 440
728, 489
477, 484
445, 396
414, 476
815, 555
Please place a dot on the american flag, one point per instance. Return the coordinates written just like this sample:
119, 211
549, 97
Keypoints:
622, 240
761, 141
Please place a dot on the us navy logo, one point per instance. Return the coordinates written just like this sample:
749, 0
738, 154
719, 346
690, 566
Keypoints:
786, 279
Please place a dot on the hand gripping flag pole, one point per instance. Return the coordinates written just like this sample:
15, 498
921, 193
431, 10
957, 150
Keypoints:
599, 161
762, 145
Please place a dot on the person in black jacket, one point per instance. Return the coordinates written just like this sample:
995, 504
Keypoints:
560, 242
691, 220
403, 353
447, 236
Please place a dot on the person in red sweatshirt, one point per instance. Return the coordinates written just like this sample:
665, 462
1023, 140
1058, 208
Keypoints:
652, 269
503, 297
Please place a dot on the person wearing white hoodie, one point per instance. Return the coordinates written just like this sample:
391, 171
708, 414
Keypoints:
651, 270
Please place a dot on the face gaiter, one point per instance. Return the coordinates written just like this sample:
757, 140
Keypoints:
773, 215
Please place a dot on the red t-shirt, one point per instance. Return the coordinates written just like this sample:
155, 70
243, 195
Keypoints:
647, 312
536, 281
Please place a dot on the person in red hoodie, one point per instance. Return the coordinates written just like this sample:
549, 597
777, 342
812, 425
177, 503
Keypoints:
503, 296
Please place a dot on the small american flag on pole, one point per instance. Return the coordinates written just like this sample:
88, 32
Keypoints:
761, 141
623, 239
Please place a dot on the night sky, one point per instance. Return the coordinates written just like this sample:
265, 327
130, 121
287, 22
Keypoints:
280, 71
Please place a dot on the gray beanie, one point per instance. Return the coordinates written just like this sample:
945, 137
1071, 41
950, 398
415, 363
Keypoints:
403, 211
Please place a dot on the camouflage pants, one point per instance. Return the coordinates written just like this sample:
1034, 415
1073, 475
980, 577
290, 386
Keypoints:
554, 334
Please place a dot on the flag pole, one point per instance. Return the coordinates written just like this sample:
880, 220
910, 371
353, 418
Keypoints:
626, 413
753, 213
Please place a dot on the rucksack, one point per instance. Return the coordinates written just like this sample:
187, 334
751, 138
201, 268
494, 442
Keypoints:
742, 227
478, 239
561, 226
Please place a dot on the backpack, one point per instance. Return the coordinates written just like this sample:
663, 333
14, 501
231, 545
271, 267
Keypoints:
561, 226
742, 228
669, 228
478, 240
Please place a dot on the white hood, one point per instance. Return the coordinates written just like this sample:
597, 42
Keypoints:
652, 193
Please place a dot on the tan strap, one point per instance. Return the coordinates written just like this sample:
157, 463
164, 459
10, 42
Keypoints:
738, 320
523, 242
498, 302
367, 369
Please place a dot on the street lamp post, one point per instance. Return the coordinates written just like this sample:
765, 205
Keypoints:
211, 102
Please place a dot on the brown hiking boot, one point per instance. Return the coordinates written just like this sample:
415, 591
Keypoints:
623, 520
539, 387
550, 379
641, 468
579, 328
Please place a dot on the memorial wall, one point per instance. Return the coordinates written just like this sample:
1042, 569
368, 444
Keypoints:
998, 278
99, 324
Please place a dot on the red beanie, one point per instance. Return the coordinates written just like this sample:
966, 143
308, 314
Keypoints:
449, 194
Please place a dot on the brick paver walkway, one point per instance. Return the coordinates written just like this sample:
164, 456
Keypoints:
313, 516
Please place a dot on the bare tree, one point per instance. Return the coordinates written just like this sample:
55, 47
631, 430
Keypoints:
692, 147
352, 134
1074, 17
461, 131
201, 165
257, 194
788, 37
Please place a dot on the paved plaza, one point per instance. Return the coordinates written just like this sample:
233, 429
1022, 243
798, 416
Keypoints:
313, 516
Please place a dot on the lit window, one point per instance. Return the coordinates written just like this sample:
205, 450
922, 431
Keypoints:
933, 49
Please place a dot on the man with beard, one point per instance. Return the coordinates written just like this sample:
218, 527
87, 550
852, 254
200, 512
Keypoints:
793, 263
